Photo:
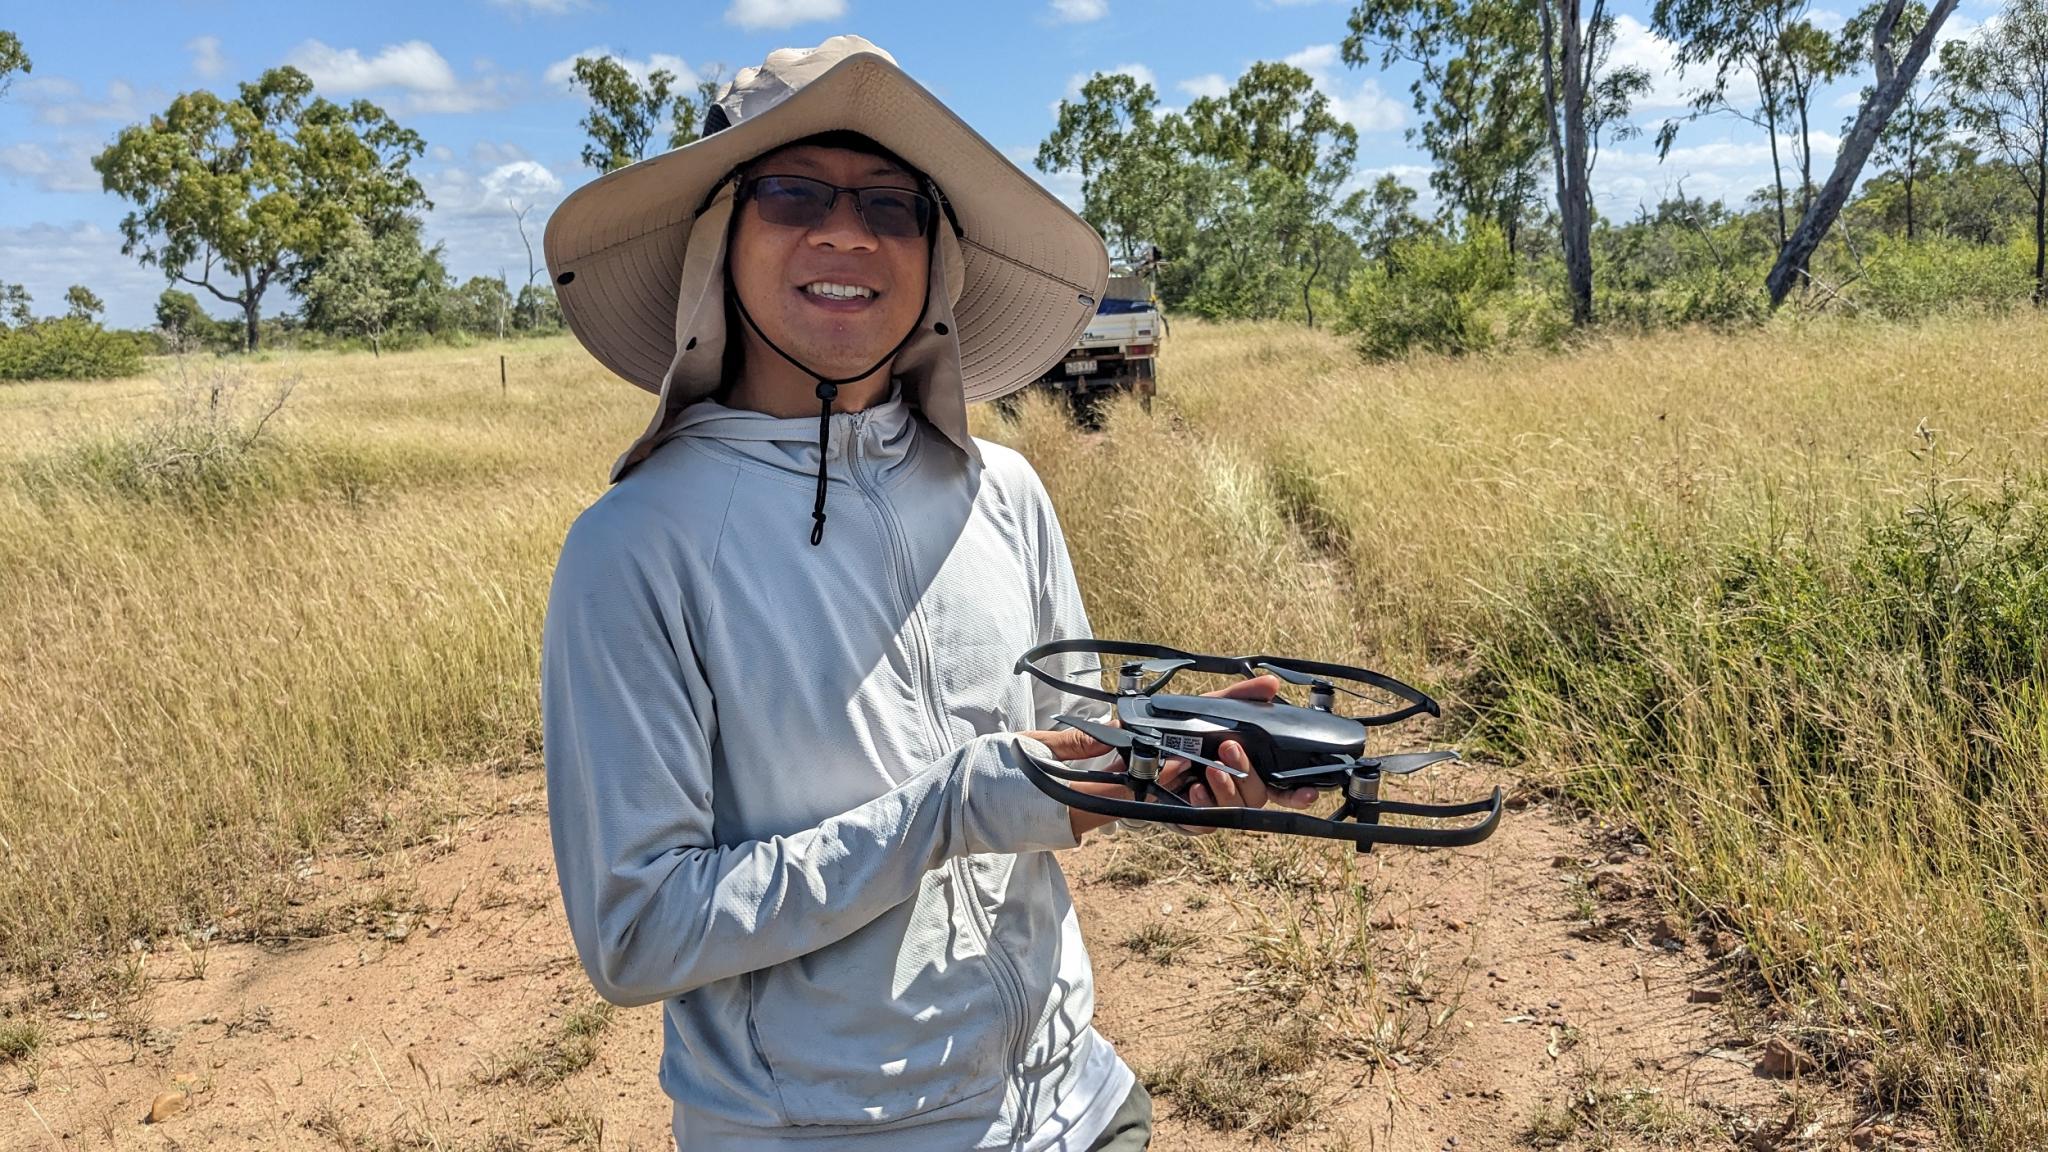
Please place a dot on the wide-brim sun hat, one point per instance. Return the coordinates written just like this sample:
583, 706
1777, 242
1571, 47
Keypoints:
638, 255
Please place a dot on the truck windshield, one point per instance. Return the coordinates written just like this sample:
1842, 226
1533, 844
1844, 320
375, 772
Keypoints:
1111, 306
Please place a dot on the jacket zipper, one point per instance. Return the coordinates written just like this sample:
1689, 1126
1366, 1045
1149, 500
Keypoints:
1009, 983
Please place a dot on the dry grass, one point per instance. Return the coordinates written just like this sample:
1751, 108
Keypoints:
206, 672
567, 1050
207, 669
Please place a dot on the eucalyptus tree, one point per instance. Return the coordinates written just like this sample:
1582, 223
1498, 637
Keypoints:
255, 190
1999, 81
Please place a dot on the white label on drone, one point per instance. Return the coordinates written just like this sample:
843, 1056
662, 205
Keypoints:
1177, 742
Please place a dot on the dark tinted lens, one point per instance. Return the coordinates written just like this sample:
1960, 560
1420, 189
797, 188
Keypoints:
895, 211
792, 200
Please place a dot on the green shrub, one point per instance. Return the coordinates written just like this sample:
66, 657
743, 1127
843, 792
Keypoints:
1439, 297
1903, 280
69, 348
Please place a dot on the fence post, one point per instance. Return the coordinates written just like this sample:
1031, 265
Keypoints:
501, 373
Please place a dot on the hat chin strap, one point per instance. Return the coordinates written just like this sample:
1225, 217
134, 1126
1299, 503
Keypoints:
828, 390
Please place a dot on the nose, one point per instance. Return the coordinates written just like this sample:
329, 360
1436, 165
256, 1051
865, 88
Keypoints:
843, 227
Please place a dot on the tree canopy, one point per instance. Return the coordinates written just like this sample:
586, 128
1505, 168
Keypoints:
258, 188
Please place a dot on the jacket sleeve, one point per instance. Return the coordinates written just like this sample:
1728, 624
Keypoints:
655, 906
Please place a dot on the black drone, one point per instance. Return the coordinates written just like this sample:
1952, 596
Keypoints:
1288, 745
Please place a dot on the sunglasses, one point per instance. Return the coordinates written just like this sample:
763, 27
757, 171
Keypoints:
801, 202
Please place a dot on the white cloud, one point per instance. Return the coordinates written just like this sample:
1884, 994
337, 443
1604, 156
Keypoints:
524, 180
490, 154
48, 258
69, 171
472, 217
1361, 105
1726, 169
1636, 44
1207, 84
1138, 72
1079, 11
558, 73
755, 14
457, 193
206, 56
414, 68
61, 102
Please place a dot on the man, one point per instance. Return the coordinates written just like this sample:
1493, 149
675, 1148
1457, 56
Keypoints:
783, 737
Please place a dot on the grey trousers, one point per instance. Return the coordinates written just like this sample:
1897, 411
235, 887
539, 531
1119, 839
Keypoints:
1130, 1130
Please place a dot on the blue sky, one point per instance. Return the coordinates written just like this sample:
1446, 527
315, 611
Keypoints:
481, 80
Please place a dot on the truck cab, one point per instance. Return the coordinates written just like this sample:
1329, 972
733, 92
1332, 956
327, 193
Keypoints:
1115, 352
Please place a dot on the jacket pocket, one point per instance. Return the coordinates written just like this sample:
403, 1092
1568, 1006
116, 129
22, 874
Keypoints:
901, 1017
1025, 898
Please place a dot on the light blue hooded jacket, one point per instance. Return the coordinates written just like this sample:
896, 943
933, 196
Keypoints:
785, 794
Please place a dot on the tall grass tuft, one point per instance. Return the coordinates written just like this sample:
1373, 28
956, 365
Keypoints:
1843, 746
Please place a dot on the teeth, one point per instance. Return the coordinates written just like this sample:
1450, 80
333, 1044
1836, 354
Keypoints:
837, 291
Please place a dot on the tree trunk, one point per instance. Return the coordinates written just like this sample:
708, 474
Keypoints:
2041, 228
1777, 176
1870, 121
1575, 201
1805, 160
1568, 148
249, 309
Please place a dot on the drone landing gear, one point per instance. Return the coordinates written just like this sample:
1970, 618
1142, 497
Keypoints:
1356, 820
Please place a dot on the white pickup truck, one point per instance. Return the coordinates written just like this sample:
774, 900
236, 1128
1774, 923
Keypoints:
1116, 351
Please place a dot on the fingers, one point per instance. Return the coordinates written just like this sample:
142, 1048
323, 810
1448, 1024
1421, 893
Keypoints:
1230, 791
1296, 797
1263, 687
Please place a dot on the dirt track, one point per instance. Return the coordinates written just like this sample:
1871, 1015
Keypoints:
1514, 1006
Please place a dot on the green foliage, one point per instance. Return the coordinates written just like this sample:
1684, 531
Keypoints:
482, 304
1444, 298
1689, 262
15, 306
185, 324
258, 188
81, 303
69, 348
1112, 135
625, 114
1905, 279
537, 310
1239, 192
1478, 91
370, 285
12, 59
1999, 83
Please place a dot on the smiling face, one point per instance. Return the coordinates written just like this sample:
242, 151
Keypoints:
835, 296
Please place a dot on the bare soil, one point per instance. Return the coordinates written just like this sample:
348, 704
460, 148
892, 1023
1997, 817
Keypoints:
1521, 994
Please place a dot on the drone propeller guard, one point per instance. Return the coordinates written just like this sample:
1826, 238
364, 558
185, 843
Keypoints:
1288, 745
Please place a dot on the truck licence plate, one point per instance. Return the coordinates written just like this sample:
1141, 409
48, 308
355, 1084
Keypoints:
1081, 367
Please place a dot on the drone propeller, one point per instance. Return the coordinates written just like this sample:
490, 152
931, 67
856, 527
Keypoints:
1127, 738
1305, 680
1400, 764
1132, 675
